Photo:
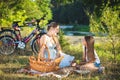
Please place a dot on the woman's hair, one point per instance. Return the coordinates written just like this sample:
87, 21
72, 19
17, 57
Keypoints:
90, 46
52, 24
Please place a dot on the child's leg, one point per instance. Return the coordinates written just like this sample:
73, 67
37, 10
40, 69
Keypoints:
89, 66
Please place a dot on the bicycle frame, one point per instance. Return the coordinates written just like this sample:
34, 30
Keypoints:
21, 43
28, 38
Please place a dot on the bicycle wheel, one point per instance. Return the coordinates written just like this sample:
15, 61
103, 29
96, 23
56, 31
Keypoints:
36, 45
7, 45
8, 32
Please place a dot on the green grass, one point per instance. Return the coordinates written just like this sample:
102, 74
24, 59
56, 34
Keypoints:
9, 65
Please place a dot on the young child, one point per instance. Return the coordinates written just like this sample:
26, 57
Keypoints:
90, 58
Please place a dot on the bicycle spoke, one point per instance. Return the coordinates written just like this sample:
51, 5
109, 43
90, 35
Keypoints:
7, 45
36, 45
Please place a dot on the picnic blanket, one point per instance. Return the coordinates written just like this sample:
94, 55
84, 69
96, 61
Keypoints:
61, 73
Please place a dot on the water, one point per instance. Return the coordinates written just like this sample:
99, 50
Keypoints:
78, 33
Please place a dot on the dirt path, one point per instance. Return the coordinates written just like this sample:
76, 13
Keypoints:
74, 39
77, 39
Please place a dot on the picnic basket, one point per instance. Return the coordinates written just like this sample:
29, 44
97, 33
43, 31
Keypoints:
44, 65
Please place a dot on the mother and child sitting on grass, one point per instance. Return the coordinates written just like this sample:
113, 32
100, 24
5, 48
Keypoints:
50, 41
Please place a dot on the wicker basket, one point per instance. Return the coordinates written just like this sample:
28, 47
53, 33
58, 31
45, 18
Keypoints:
44, 65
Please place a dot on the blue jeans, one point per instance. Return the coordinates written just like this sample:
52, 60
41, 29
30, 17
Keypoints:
97, 64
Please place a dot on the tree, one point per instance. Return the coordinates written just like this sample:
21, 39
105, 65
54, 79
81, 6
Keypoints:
69, 12
9, 13
109, 23
45, 8
63, 41
73, 11
22, 10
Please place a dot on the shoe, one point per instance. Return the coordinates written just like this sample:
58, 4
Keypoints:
101, 69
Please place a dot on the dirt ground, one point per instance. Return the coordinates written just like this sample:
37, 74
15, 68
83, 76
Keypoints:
75, 40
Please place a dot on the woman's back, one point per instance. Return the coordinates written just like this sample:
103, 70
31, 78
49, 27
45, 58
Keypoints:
89, 48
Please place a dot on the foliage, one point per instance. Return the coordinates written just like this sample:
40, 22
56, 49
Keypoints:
24, 10
104, 52
45, 8
73, 11
108, 23
62, 39
18, 16
69, 12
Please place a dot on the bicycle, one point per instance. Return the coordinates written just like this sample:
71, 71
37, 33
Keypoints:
11, 41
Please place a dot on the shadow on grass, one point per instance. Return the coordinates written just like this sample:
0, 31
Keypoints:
19, 56
10, 64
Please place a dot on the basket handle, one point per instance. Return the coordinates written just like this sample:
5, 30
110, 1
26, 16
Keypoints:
48, 52
42, 58
32, 58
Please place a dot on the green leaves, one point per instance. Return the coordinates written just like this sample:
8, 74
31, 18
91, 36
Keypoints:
12, 10
107, 23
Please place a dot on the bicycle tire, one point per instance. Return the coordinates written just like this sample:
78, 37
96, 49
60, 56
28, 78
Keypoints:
35, 45
9, 32
7, 45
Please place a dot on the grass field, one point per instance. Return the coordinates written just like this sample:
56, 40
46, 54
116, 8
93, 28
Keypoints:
9, 65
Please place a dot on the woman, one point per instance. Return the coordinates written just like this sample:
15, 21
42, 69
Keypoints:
49, 42
91, 60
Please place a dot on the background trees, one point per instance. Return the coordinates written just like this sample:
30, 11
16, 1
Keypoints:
11, 10
62, 11
74, 11
108, 23
69, 12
